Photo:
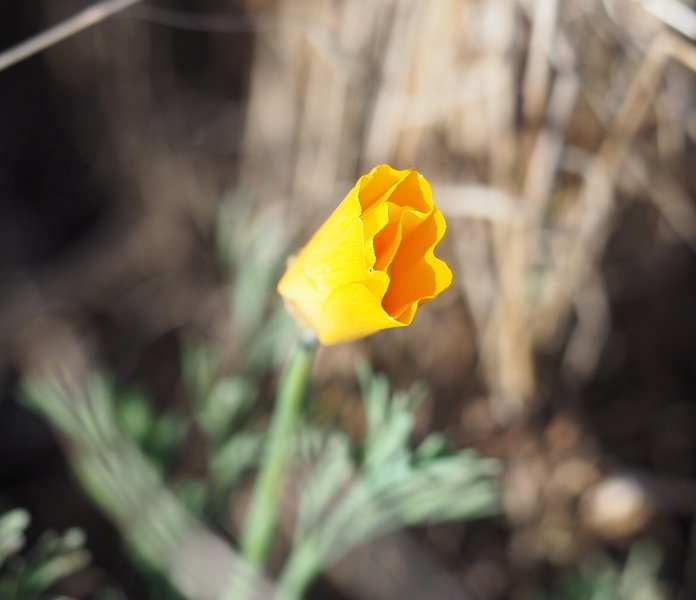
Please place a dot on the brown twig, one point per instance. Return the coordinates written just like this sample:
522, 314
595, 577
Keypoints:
82, 20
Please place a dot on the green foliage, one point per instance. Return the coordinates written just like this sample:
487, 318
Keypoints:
354, 492
230, 398
221, 401
252, 250
113, 470
241, 452
347, 502
159, 435
252, 247
351, 492
600, 579
222, 405
28, 574
12, 527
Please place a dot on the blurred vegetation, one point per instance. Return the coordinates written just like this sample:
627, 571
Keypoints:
600, 579
138, 313
27, 574
120, 449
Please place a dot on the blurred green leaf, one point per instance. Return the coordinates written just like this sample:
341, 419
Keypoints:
166, 437
433, 446
252, 247
390, 420
230, 397
200, 366
194, 494
136, 414
639, 580
54, 557
12, 527
345, 503
272, 340
54, 569
600, 578
240, 453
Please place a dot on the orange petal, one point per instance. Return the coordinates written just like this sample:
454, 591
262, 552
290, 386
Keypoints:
417, 275
413, 192
379, 184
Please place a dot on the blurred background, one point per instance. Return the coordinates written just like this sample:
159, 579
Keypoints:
157, 167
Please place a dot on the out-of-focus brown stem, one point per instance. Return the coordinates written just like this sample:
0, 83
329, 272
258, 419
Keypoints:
82, 20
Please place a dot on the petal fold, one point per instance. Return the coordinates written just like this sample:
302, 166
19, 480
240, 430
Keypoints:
372, 263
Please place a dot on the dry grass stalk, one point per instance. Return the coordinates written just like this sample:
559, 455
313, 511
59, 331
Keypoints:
88, 17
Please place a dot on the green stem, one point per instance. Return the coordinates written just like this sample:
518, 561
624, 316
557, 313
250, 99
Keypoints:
262, 519
302, 567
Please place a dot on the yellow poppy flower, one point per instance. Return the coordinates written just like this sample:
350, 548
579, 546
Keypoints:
371, 264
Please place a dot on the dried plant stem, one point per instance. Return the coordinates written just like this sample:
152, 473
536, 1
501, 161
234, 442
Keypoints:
82, 20
597, 192
538, 69
674, 13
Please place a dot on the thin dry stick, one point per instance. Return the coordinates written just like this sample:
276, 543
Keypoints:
507, 349
582, 353
683, 51
671, 200
597, 191
322, 118
538, 69
82, 20
548, 147
384, 127
674, 13
543, 165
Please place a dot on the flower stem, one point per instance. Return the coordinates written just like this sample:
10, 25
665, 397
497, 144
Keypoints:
262, 518
302, 567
